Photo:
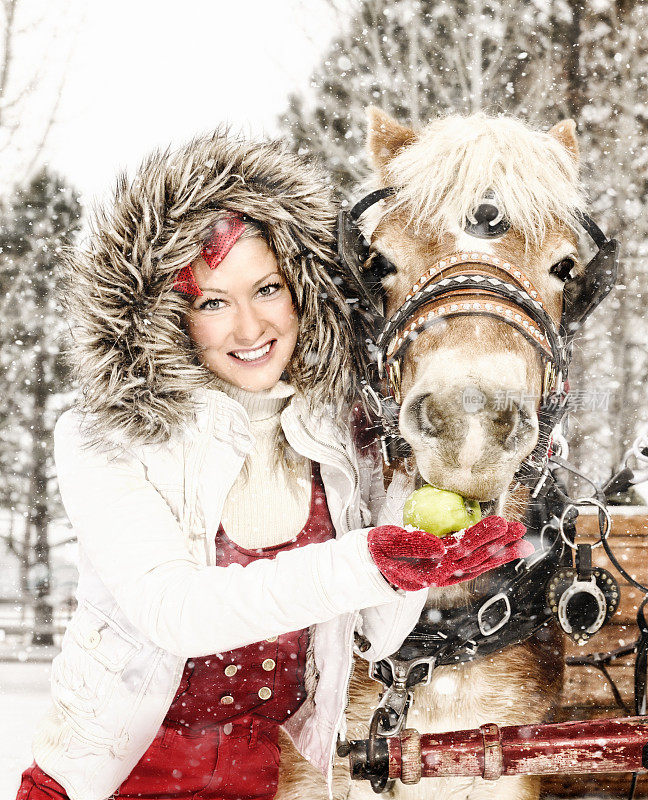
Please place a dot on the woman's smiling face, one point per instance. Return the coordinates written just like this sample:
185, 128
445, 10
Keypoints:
245, 325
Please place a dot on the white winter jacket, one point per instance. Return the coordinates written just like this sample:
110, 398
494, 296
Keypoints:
149, 595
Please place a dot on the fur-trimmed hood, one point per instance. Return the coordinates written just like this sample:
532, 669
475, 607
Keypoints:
135, 364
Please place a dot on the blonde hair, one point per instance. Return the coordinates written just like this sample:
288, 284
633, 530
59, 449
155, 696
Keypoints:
455, 160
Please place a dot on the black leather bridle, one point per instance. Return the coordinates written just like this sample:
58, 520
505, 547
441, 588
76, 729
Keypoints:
475, 283
471, 283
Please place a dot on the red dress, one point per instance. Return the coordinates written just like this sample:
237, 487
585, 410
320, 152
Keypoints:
219, 738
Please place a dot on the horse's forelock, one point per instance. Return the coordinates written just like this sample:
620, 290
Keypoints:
456, 160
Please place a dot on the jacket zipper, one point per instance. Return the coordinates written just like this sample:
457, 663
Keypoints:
350, 664
349, 674
201, 452
356, 477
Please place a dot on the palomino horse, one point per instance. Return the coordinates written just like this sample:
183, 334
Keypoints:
442, 175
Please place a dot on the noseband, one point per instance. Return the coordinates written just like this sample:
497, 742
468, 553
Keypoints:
471, 283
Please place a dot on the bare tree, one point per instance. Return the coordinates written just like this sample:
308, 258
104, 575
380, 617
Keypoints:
542, 60
417, 59
606, 70
41, 219
34, 55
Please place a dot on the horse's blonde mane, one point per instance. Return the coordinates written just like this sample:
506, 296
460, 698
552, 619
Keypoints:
455, 160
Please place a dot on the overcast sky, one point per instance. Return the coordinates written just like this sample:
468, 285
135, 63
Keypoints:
145, 73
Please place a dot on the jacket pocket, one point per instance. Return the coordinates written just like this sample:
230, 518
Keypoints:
95, 653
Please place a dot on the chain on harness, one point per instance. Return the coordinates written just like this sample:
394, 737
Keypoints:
558, 582
580, 598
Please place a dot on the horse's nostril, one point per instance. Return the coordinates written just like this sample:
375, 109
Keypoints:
425, 415
509, 424
504, 423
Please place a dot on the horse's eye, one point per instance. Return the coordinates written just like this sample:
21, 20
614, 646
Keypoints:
379, 266
563, 269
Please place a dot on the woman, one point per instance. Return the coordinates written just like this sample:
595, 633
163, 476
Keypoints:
218, 497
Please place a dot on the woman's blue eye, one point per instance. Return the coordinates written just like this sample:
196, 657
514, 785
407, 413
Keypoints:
210, 304
215, 304
274, 286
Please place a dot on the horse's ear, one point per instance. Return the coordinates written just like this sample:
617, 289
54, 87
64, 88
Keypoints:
385, 137
565, 133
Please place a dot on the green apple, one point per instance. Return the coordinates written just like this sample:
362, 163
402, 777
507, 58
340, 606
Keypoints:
439, 512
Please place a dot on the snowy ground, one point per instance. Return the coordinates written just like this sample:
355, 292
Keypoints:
24, 689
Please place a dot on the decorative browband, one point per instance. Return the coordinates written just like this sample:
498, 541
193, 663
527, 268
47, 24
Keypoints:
458, 259
459, 296
513, 299
457, 306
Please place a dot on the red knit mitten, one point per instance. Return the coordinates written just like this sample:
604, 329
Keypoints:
413, 560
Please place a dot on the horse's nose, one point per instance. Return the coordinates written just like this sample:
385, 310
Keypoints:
470, 418
502, 416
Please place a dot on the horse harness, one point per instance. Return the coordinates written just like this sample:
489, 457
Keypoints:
475, 283
472, 283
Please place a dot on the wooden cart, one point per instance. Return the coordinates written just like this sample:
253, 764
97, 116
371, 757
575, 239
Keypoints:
586, 693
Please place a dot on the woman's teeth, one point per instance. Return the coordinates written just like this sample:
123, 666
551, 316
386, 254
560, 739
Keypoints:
252, 355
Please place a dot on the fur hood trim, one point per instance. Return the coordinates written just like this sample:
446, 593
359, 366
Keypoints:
135, 364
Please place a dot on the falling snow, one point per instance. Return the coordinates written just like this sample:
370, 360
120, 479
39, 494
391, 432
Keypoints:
416, 59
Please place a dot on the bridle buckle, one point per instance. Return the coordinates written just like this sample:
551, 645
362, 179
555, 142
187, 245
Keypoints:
484, 627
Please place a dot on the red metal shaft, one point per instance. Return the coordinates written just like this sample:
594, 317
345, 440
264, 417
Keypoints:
601, 745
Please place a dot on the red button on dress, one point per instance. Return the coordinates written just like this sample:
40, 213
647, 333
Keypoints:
265, 678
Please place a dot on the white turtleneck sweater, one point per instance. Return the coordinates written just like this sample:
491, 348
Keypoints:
266, 505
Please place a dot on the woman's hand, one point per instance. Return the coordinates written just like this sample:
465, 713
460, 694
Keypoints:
414, 560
